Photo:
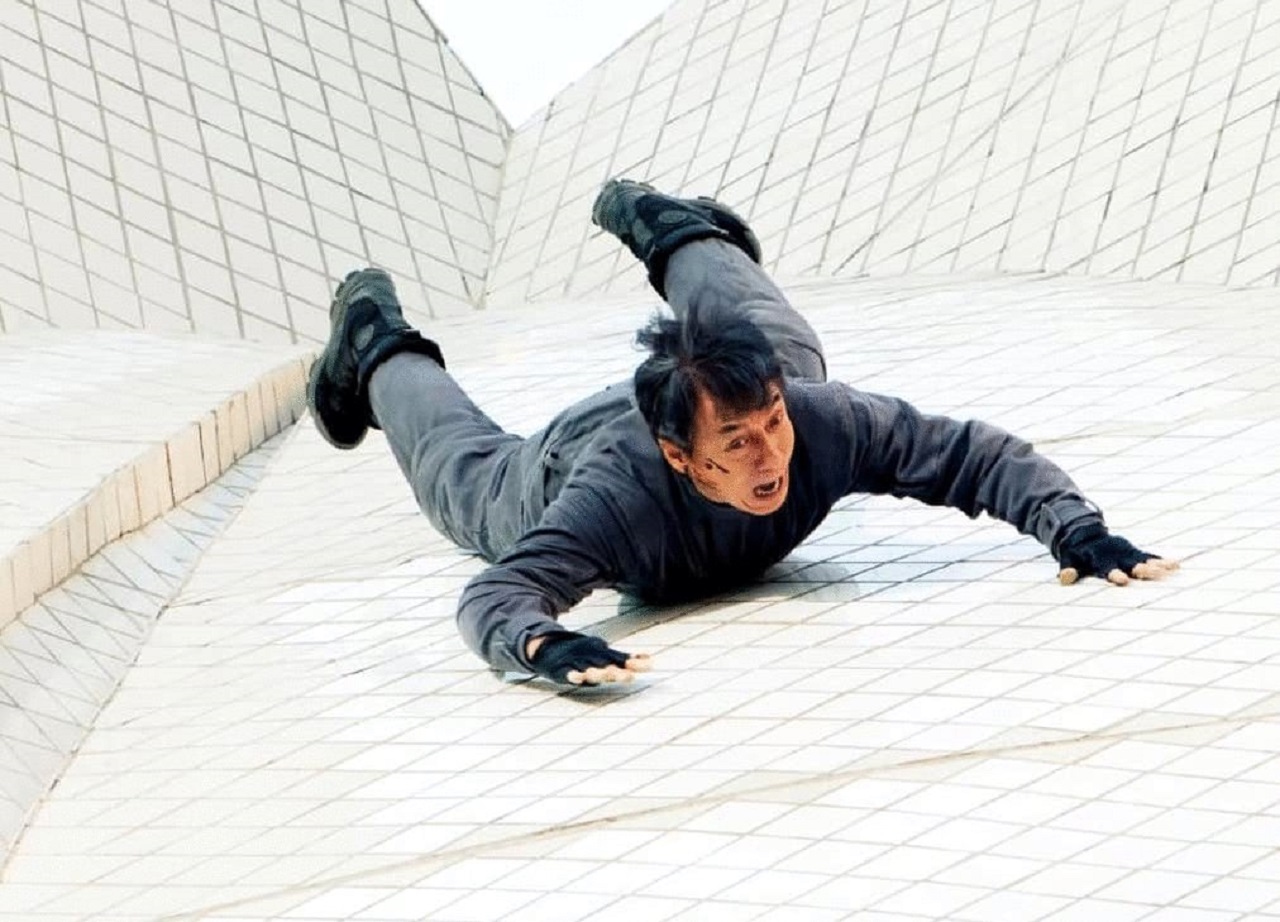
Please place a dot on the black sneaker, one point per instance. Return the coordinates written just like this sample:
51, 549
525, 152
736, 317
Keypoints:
367, 327
654, 225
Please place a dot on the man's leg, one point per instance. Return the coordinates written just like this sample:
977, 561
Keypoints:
473, 480
702, 256
714, 276
476, 483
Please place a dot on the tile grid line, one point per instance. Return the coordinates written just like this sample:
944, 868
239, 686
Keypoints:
712, 95
22, 192
807, 169
402, 90
650, 50
72, 197
83, 266
1170, 146
1226, 123
836, 89
521, 196
1128, 131
449, 58
1080, 145
1258, 171
990, 135
1054, 73
183, 280
113, 177
582, 133
749, 108
613, 156
257, 174
430, 173
812, 779
1056, 219
109, 152
656, 144
1275, 124
236, 304
1217, 145
760, 185
8, 120
880, 223
863, 134
936, 182
330, 272
173, 588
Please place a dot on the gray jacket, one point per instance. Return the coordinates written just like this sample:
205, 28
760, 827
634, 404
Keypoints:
614, 513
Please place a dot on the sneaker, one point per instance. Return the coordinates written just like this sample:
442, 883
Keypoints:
367, 327
653, 225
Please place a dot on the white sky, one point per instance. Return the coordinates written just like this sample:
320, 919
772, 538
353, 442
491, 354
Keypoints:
523, 52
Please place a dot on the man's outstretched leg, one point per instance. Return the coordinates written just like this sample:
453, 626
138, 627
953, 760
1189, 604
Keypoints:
702, 257
467, 474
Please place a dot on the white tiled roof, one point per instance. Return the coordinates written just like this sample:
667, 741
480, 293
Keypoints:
1100, 137
251, 703
104, 431
909, 720
211, 167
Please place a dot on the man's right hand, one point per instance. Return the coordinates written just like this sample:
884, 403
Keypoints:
570, 658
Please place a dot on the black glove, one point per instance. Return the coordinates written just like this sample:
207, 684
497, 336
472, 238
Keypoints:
563, 652
1093, 551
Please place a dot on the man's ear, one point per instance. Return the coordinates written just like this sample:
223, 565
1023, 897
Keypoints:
675, 455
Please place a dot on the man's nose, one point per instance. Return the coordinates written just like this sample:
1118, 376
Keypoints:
770, 452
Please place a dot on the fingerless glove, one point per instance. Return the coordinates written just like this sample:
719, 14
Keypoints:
563, 652
1093, 551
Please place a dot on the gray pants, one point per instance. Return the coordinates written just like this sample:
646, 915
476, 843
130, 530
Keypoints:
483, 487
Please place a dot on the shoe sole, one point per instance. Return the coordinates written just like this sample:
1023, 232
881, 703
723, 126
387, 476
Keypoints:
720, 214
318, 393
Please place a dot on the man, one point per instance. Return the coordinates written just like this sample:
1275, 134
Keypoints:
726, 450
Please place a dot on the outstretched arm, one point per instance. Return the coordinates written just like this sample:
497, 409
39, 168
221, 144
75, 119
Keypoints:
976, 467
507, 614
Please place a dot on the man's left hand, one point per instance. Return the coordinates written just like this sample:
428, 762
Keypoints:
569, 658
1093, 551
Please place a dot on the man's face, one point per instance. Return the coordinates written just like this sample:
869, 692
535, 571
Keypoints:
739, 459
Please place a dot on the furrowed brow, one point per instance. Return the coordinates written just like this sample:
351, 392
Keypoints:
733, 425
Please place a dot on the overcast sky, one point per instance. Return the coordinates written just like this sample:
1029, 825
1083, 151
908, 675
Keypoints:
523, 52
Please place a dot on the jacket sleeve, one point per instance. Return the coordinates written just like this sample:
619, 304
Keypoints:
549, 570
971, 466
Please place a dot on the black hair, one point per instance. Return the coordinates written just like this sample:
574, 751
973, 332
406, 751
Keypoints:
726, 357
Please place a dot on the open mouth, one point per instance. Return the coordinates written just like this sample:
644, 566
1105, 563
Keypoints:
764, 491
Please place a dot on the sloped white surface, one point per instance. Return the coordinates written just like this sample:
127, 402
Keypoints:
1101, 137
64, 657
909, 720
101, 432
215, 167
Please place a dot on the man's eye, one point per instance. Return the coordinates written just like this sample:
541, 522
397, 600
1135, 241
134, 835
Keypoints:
736, 444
